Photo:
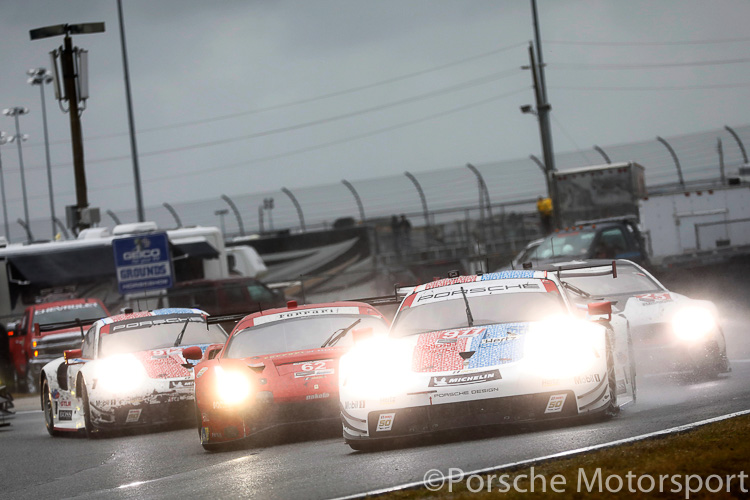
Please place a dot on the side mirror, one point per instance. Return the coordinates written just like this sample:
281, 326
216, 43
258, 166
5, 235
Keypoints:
71, 354
360, 334
600, 309
193, 353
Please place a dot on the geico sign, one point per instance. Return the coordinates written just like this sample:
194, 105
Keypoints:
151, 253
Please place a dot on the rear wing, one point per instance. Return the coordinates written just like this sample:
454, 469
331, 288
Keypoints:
574, 270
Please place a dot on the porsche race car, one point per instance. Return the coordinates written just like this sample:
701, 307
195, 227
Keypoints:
278, 366
669, 330
130, 371
478, 350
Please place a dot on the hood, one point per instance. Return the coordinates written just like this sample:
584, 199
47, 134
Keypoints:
302, 363
166, 363
491, 345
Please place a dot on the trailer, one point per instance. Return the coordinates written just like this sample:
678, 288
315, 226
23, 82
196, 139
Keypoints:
703, 227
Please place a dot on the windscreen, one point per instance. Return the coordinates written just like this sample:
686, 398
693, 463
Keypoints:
485, 310
154, 332
298, 334
630, 281
87, 313
572, 244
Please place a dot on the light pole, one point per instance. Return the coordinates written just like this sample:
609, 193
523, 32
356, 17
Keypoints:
4, 139
15, 113
73, 73
41, 77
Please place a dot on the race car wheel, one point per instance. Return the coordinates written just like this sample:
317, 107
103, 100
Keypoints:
612, 408
49, 416
91, 430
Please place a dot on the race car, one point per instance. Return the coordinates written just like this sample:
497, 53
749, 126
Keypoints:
479, 350
278, 367
130, 371
670, 331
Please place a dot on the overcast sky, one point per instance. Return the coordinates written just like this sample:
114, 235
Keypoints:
237, 96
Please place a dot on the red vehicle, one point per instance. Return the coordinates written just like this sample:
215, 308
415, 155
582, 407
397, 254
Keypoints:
278, 366
35, 341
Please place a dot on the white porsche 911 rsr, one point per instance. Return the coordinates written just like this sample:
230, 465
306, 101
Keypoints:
479, 350
130, 371
669, 331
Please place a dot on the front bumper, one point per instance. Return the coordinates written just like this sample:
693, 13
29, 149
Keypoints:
433, 418
221, 425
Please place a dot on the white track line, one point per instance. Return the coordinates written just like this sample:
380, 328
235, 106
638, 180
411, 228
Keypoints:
671, 430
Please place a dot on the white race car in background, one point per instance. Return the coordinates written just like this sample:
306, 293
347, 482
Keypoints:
668, 330
130, 371
479, 350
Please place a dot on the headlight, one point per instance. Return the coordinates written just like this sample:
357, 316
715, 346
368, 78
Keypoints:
232, 387
693, 323
375, 368
120, 373
562, 347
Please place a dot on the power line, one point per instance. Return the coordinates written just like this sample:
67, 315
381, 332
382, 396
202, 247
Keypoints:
627, 44
308, 100
453, 88
578, 66
331, 143
651, 88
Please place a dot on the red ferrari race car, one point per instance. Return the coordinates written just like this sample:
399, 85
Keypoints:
278, 366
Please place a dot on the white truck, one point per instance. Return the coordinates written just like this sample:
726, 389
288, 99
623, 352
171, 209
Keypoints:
697, 226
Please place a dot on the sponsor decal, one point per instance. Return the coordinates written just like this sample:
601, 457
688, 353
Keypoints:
55, 394
204, 434
549, 382
65, 415
216, 435
133, 416
354, 405
587, 379
204, 416
65, 404
201, 372
465, 379
386, 401
429, 295
313, 369
473, 392
555, 403
154, 321
498, 340
68, 307
504, 275
304, 313
322, 395
385, 422
654, 298
181, 383
218, 405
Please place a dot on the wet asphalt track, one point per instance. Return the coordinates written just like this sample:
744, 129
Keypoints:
172, 464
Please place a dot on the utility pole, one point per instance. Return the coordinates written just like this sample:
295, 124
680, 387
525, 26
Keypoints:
543, 108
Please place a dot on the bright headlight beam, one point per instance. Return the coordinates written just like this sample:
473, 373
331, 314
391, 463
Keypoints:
693, 323
231, 387
120, 373
561, 347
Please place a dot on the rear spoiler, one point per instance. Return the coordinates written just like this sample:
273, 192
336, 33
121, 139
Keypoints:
399, 292
572, 270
